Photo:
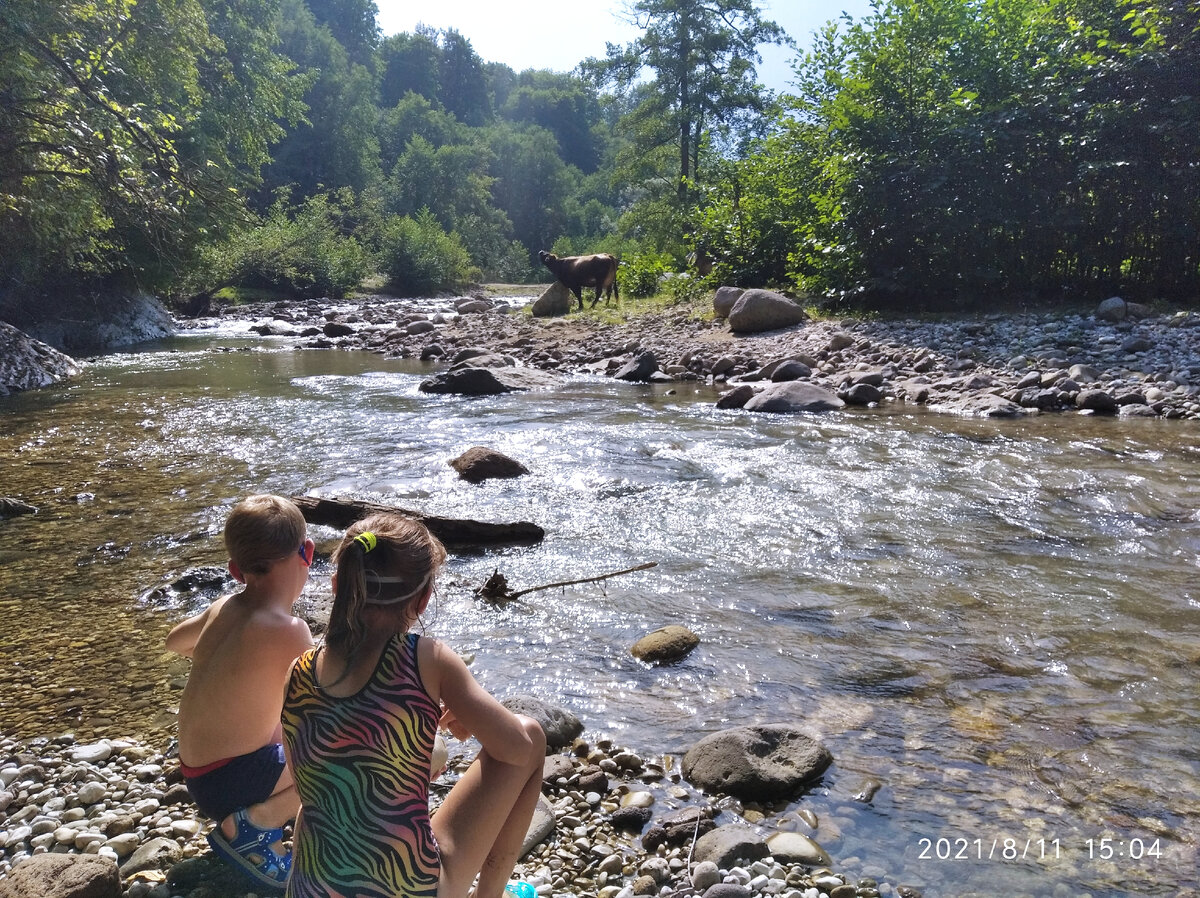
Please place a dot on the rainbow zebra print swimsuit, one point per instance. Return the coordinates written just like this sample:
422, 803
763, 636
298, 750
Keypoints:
361, 765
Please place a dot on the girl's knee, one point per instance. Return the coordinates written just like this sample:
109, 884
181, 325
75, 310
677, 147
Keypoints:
537, 739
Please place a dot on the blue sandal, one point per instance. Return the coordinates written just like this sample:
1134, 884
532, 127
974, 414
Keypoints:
251, 853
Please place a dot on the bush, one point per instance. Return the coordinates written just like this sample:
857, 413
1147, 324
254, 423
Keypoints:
642, 273
298, 250
419, 258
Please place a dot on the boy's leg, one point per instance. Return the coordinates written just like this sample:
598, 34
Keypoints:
278, 809
481, 825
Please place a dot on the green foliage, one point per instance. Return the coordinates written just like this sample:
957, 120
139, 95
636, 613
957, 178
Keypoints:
642, 274
302, 251
335, 146
421, 259
125, 132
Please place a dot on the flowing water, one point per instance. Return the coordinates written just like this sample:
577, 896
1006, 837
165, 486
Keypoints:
995, 623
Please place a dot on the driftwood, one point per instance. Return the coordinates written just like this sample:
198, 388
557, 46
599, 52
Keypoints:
454, 532
496, 588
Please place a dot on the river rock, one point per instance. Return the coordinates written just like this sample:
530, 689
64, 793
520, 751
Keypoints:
479, 463
477, 357
704, 875
797, 848
735, 398
157, 854
631, 818
63, 876
561, 726
641, 368
791, 397
11, 508
725, 299
1112, 309
556, 767
666, 644
26, 363
861, 394
541, 827
1098, 401
555, 300
756, 763
473, 306
728, 844
488, 381
790, 369
764, 310
727, 890
337, 329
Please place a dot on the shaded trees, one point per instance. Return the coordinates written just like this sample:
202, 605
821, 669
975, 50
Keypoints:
127, 128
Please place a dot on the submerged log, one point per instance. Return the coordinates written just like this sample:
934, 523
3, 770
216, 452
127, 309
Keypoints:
459, 532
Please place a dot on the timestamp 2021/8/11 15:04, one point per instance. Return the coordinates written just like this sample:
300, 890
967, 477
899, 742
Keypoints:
1007, 848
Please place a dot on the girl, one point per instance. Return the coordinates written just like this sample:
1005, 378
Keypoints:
360, 719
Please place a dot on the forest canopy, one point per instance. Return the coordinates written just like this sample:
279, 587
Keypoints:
941, 153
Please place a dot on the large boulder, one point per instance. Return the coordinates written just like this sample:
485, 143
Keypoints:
561, 726
639, 369
756, 763
555, 300
479, 463
63, 876
92, 325
1112, 309
725, 299
764, 310
793, 396
488, 381
26, 363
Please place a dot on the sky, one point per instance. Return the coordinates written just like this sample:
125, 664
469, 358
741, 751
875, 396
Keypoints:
558, 34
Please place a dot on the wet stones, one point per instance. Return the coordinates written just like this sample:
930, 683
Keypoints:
665, 645
756, 763
479, 463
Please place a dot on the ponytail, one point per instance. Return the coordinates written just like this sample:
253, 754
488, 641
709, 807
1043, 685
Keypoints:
384, 561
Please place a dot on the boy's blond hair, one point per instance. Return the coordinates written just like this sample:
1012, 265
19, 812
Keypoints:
262, 530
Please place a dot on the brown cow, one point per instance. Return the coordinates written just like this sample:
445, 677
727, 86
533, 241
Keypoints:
576, 272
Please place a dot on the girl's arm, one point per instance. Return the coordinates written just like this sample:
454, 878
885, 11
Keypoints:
472, 711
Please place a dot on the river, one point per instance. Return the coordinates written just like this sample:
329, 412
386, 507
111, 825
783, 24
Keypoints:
995, 622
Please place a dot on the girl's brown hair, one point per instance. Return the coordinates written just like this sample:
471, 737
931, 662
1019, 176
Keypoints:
393, 570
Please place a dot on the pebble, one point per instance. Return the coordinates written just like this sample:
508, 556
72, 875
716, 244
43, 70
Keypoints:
976, 365
75, 808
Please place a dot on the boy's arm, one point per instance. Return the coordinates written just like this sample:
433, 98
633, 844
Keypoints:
183, 638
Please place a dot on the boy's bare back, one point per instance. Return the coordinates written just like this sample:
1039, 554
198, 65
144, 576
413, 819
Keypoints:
233, 698
242, 646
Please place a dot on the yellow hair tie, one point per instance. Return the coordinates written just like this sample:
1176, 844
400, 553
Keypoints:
367, 540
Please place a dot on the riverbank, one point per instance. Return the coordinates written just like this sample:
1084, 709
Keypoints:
998, 365
610, 825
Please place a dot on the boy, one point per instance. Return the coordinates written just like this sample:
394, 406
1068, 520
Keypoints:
242, 647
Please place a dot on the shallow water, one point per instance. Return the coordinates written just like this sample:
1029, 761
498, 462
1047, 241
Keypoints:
999, 622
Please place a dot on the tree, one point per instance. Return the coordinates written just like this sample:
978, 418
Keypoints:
463, 89
702, 54
352, 23
128, 129
409, 63
336, 145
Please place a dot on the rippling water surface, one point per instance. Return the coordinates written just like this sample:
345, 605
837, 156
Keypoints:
998, 623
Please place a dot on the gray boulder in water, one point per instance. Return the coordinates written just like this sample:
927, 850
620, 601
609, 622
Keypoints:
792, 396
26, 363
756, 763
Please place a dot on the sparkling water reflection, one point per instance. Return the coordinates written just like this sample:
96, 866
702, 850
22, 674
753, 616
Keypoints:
998, 622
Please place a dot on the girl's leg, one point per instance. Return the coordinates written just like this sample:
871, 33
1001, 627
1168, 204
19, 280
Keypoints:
483, 821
